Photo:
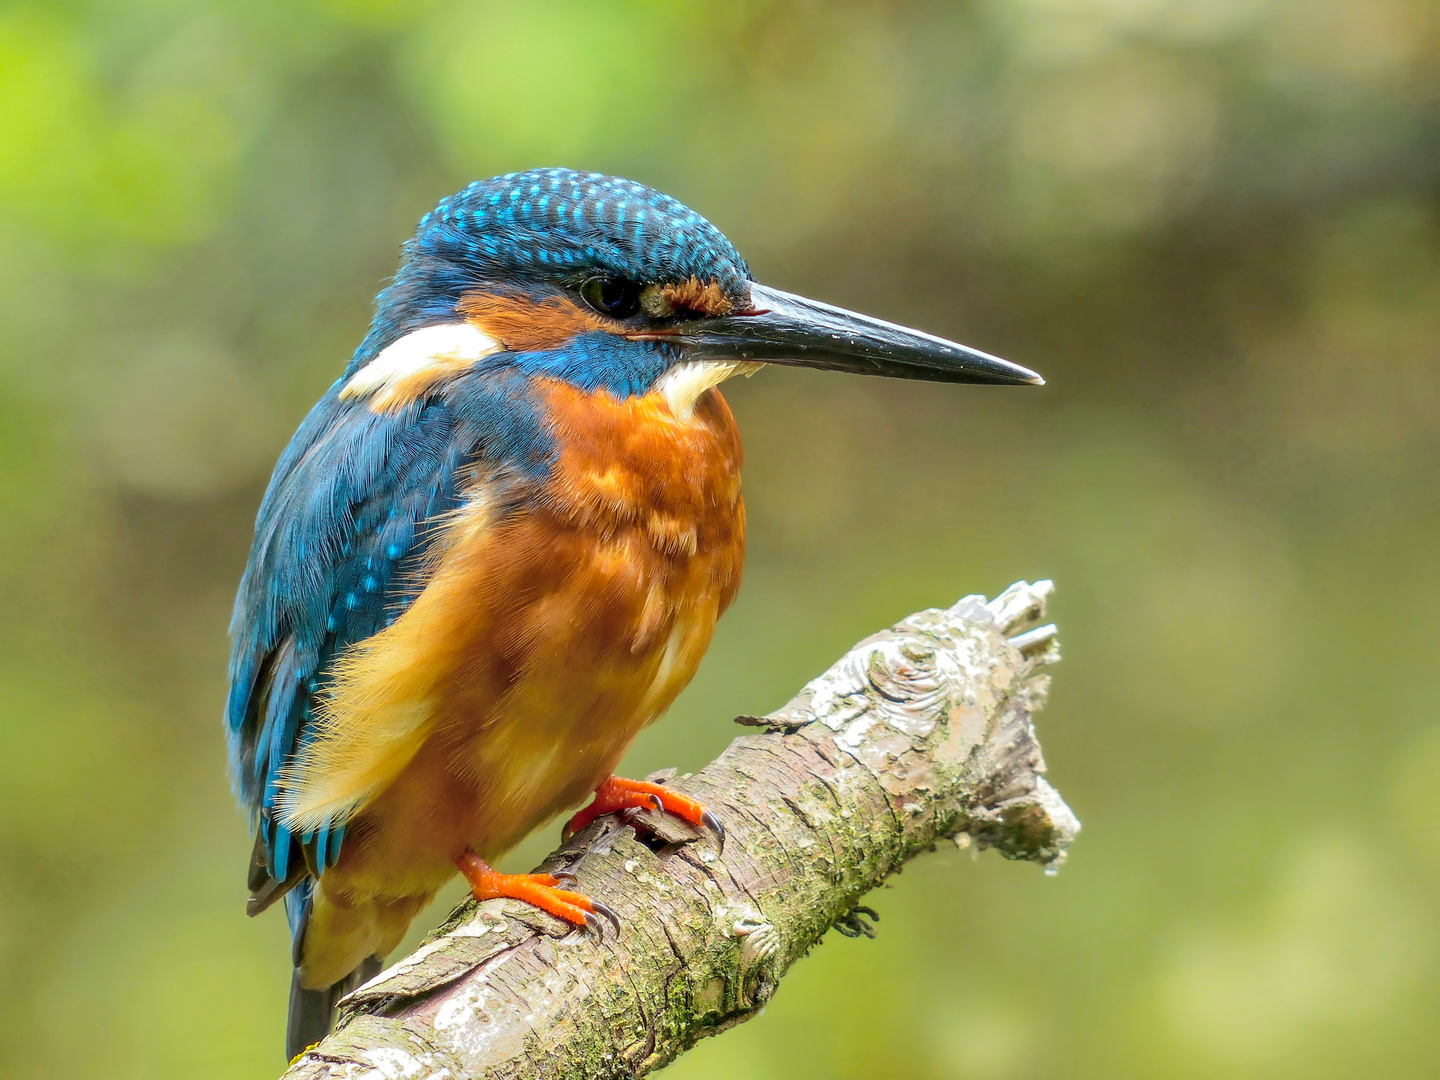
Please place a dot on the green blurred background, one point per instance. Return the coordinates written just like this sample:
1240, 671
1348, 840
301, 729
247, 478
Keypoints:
1213, 225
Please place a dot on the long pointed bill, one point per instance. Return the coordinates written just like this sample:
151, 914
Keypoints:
781, 328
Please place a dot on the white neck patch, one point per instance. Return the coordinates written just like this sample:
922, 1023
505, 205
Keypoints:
407, 367
683, 384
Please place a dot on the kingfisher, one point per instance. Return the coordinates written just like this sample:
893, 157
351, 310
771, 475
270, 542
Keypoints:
496, 550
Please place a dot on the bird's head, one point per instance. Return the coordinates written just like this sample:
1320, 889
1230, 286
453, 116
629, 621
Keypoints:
610, 285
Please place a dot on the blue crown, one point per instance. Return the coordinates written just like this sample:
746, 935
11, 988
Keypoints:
549, 222
548, 226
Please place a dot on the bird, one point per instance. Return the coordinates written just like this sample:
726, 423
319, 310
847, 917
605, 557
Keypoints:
496, 549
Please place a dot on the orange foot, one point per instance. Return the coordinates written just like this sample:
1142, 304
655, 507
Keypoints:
617, 793
487, 883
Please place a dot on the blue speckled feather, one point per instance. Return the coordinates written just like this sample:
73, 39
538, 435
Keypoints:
338, 541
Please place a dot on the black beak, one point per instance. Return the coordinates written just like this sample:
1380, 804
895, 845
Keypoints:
781, 328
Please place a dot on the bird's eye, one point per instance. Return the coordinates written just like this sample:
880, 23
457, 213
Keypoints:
613, 296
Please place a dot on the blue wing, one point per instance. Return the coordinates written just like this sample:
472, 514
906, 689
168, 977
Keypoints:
337, 556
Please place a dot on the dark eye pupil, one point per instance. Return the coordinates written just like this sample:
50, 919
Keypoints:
616, 297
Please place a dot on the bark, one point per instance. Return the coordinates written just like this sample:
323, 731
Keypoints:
919, 734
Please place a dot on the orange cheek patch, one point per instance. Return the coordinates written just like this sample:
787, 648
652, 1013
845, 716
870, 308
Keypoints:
708, 299
525, 325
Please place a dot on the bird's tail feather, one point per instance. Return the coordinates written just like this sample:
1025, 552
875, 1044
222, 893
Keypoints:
311, 1011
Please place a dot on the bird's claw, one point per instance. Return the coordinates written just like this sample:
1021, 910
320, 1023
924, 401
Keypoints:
628, 798
568, 879
711, 822
592, 923
542, 891
608, 912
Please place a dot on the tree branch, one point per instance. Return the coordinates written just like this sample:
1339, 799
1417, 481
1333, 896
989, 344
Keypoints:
920, 733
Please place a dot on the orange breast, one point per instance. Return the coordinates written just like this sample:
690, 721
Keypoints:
545, 640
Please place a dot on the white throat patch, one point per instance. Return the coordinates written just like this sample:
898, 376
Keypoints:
683, 384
